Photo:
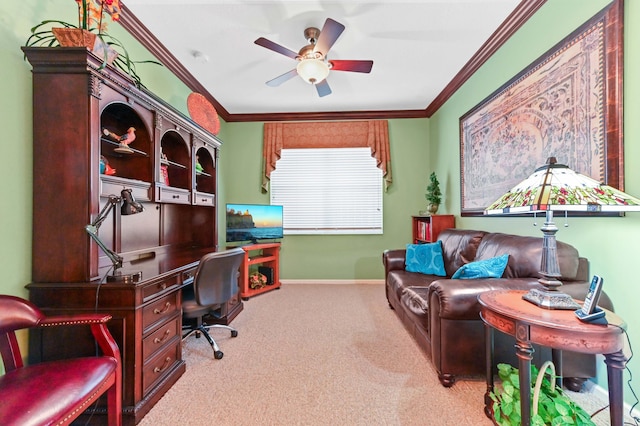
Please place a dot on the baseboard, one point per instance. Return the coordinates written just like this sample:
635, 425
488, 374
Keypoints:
342, 282
603, 394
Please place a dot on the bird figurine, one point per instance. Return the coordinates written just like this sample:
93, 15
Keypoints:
199, 168
123, 140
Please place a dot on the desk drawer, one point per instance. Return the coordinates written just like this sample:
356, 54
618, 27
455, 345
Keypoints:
154, 289
166, 194
109, 185
160, 310
188, 275
203, 199
159, 338
160, 365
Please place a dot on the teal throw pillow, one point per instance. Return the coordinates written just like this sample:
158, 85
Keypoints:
425, 259
488, 268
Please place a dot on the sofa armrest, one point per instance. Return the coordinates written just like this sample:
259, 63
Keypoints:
393, 260
458, 299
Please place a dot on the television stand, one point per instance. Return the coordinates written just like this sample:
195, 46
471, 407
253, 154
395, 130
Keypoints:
264, 255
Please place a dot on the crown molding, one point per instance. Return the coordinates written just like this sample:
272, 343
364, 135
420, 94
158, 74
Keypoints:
524, 11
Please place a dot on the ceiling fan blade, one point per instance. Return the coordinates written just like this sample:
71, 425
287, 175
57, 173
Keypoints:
323, 88
276, 47
328, 35
353, 66
282, 78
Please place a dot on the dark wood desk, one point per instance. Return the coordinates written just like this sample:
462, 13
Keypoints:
146, 323
506, 311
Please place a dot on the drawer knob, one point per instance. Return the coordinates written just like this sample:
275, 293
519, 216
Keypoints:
163, 338
163, 310
163, 286
167, 362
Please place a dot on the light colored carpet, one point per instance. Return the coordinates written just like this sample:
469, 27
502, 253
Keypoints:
320, 354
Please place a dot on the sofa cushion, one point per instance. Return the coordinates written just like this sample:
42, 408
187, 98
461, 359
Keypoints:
417, 305
488, 268
459, 247
398, 281
425, 259
525, 255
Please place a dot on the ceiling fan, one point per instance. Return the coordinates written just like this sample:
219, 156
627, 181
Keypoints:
313, 64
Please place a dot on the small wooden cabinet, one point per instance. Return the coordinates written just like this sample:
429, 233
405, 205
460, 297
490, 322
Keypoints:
427, 228
265, 255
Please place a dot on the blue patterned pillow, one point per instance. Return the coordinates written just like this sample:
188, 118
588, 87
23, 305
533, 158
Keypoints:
488, 268
425, 259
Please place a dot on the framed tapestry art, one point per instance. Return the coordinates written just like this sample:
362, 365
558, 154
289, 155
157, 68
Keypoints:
567, 104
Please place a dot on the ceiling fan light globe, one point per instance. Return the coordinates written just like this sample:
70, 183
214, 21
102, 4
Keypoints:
312, 71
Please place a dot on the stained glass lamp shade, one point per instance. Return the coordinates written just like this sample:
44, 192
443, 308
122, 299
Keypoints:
557, 187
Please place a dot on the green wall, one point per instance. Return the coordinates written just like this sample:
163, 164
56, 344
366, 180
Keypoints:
611, 244
418, 146
335, 257
16, 147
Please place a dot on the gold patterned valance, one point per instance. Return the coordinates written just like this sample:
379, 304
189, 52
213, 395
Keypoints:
372, 134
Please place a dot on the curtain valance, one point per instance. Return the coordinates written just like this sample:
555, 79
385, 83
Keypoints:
372, 134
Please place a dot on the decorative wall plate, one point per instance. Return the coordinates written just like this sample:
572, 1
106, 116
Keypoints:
203, 112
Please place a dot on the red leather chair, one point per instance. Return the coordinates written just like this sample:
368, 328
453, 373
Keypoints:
55, 392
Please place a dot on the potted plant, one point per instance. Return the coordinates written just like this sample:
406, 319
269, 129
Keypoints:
433, 194
550, 406
90, 32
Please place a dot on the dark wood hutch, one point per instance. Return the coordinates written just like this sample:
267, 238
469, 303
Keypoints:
74, 99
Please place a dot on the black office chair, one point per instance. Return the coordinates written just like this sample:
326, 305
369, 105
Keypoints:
215, 283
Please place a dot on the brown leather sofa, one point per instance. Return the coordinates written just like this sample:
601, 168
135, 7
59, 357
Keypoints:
442, 314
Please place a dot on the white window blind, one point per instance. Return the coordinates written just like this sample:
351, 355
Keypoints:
328, 191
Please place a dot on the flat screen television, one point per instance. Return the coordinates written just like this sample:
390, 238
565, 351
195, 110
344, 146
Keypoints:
253, 222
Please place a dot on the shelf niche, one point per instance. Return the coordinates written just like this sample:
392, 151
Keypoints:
118, 118
177, 159
204, 179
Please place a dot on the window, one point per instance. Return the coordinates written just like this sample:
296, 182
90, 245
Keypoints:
328, 191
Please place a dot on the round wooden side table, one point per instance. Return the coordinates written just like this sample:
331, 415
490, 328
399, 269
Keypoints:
506, 311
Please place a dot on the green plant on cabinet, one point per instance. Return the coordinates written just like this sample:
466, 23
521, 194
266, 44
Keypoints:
433, 195
90, 32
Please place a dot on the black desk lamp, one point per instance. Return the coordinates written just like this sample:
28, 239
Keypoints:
129, 206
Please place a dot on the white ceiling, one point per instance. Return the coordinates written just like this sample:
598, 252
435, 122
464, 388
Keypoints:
417, 48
